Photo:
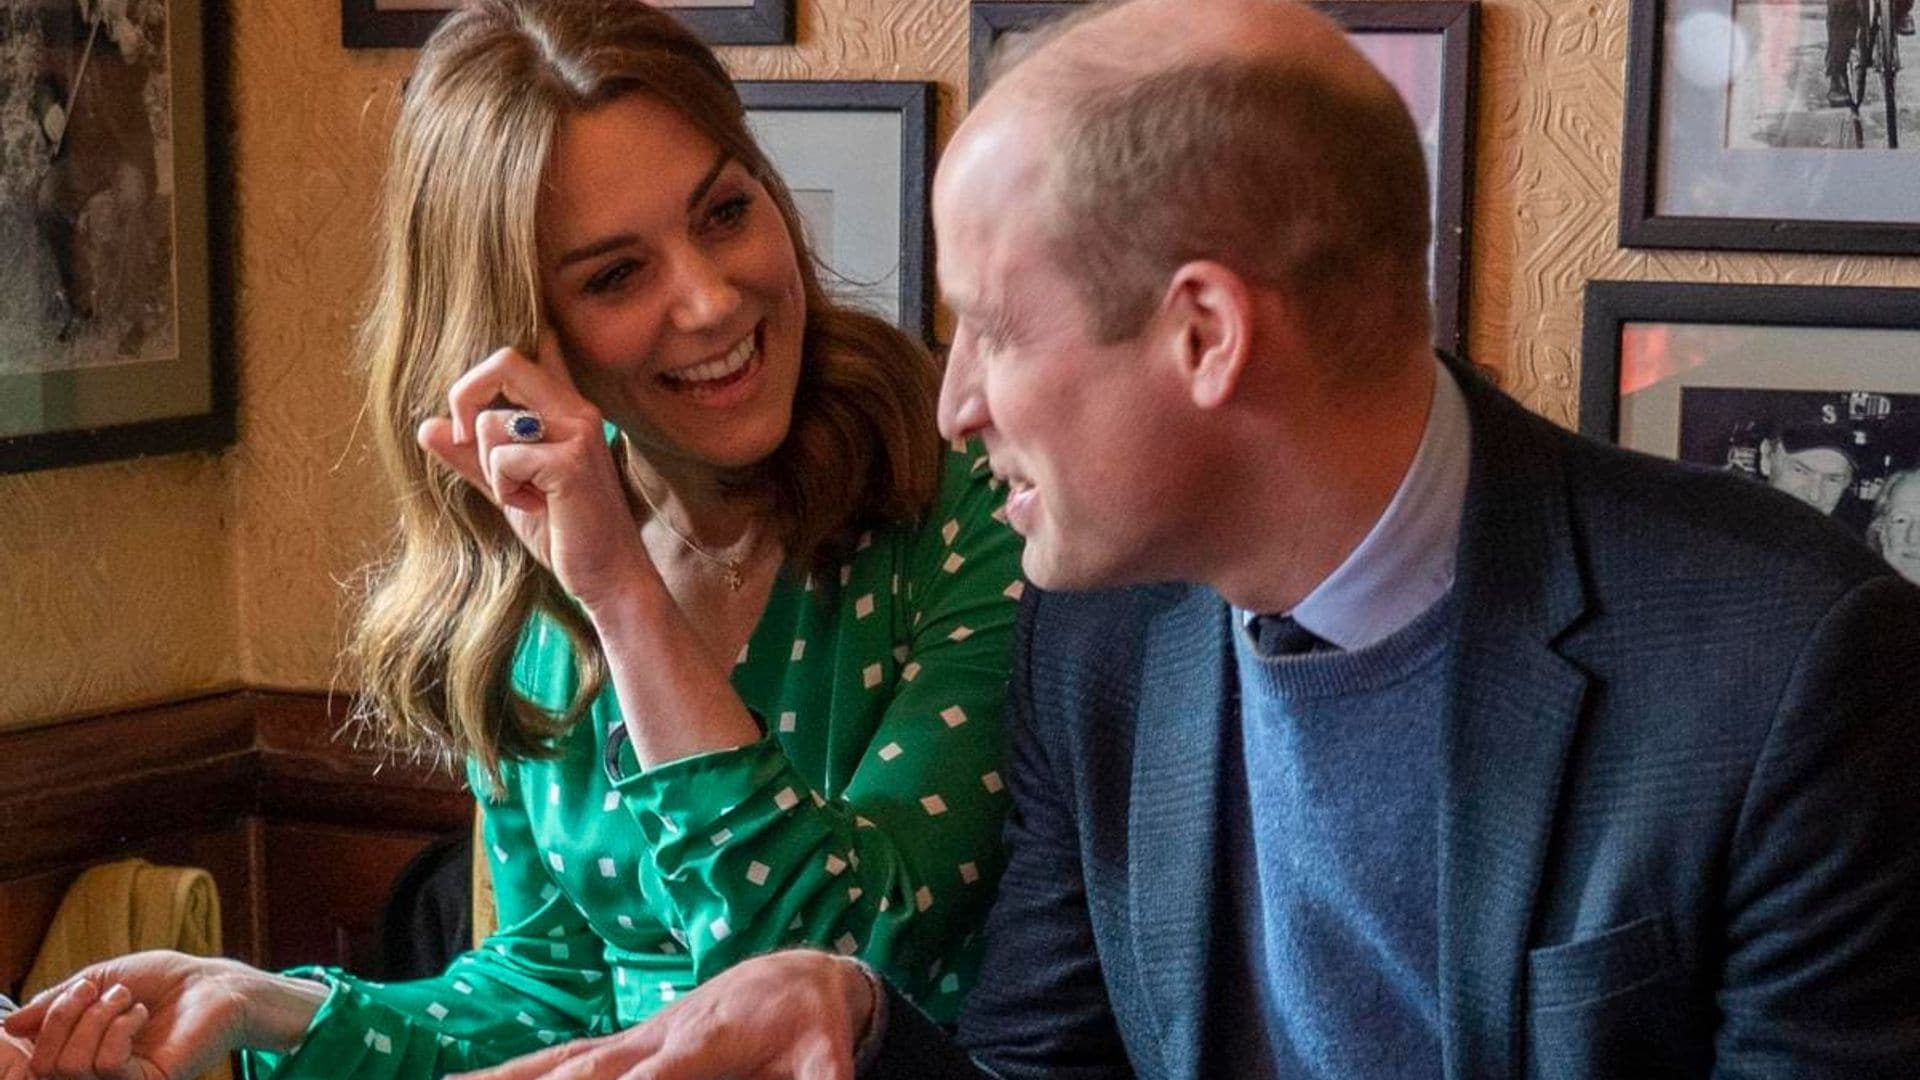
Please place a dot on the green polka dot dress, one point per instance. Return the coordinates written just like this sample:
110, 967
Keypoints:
867, 821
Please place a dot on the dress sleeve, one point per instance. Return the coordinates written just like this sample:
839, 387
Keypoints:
541, 979
899, 866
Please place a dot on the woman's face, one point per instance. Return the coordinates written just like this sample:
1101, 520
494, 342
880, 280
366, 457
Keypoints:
672, 281
1900, 527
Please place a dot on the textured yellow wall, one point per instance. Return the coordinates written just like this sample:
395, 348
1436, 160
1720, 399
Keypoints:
118, 585
144, 581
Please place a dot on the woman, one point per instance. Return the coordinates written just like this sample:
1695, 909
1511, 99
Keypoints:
1894, 530
801, 598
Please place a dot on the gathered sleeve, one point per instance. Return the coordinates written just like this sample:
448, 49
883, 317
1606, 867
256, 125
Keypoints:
896, 861
541, 979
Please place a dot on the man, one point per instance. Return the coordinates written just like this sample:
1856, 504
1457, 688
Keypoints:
1843, 30
1563, 762
1811, 462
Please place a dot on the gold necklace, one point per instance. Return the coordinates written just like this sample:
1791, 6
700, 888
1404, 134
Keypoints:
731, 569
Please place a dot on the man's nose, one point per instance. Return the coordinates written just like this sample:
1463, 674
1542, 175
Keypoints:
963, 408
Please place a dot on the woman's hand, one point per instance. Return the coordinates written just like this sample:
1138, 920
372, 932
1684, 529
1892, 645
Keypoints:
796, 1014
562, 495
161, 1016
14, 1054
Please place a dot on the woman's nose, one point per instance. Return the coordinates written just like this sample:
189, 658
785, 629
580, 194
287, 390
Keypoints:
705, 296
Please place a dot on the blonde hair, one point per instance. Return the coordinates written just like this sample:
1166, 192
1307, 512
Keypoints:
1876, 532
434, 643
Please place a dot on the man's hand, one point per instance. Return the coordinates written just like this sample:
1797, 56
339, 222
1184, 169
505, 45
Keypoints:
794, 1014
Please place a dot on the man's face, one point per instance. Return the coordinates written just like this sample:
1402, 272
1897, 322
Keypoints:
1817, 475
1078, 430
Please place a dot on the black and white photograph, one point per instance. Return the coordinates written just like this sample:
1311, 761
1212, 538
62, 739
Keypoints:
106, 304
1817, 73
1812, 391
1772, 125
86, 186
1853, 455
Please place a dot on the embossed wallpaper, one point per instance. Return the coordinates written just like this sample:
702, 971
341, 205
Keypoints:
143, 581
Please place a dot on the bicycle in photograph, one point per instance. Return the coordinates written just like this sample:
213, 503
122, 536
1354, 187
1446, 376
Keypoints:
1876, 47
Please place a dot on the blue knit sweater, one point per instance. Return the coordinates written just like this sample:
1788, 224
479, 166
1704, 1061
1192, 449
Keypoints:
1330, 854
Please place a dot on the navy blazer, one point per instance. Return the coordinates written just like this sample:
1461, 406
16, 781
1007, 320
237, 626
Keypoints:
1680, 811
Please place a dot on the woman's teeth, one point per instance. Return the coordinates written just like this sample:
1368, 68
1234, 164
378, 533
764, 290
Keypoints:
715, 370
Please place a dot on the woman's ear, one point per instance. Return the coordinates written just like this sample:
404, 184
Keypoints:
1207, 318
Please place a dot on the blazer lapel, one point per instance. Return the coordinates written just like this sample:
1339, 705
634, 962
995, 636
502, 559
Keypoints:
1511, 723
1186, 691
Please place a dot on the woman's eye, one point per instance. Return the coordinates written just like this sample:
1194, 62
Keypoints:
611, 277
729, 212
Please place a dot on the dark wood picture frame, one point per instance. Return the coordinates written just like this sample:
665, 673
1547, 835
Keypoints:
120, 412
914, 102
1612, 305
1457, 23
1643, 225
364, 25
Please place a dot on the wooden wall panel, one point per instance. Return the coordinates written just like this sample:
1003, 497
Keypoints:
330, 886
303, 832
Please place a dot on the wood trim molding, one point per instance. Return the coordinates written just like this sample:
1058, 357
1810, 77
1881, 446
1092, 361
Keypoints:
90, 788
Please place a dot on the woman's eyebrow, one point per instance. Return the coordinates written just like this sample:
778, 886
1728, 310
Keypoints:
706, 182
616, 242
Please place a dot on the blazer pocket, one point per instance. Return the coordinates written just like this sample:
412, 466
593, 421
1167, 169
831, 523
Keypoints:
1611, 962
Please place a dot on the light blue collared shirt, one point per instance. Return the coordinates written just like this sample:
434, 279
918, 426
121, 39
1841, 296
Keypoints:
1406, 562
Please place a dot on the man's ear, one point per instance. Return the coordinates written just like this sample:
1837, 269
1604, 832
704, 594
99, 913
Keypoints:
1207, 321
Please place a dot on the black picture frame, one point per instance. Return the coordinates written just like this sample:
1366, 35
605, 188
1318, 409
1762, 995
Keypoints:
914, 104
1612, 306
186, 399
1457, 24
1643, 222
1810, 390
365, 25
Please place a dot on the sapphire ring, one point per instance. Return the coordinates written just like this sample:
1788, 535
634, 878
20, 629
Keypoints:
525, 426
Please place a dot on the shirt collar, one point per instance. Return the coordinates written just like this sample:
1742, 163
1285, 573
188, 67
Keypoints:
1406, 562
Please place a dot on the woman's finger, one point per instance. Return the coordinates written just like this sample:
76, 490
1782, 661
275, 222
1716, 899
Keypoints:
521, 477
511, 377
27, 1020
435, 436
65, 1012
115, 1059
83, 1042
543, 1064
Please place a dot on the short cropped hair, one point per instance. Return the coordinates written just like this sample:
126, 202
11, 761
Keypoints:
1290, 177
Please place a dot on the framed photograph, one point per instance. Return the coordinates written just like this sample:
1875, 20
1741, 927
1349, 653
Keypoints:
111, 327
1425, 49
1813, 390
858, 157
1769, 125
405, 24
